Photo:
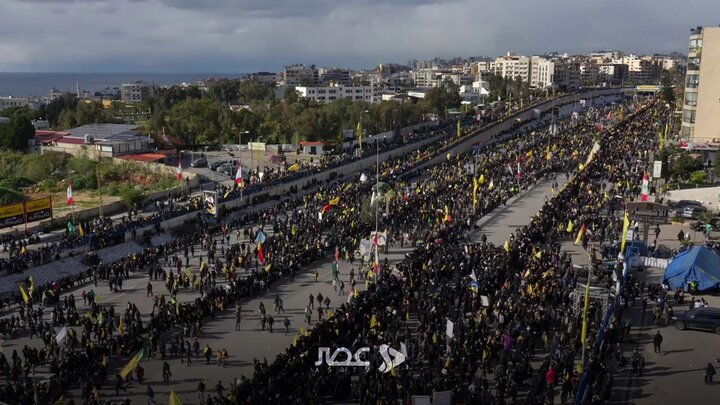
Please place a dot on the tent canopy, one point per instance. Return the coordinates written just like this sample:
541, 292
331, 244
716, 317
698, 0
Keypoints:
698, 264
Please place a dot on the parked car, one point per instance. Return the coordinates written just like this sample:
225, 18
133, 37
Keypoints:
679, 206
698, 318
692, 212
227, 169
199, 162
214, 165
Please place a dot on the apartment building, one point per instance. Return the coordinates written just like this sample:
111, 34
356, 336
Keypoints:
512, 66
295, 75
542, 72
701, 108
335, 75
136, 92
336, 91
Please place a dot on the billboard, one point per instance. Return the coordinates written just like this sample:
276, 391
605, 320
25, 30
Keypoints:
12, 215
210, 202
39, 209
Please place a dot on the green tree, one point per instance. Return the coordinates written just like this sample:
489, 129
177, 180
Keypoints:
195, 121
685, 164
667, 91
17, 133
699, 177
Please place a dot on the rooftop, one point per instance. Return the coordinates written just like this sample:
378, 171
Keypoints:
105, 132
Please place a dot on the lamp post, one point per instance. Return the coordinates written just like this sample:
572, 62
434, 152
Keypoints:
240, 134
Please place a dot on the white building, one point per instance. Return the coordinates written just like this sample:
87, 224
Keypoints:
337, 92
542, 72
475, 93
293, 75
512, 66
137, 92
9, 102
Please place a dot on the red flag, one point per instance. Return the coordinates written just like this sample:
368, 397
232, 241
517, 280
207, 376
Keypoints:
645, 187
238, 176
179, 176
261, 255
69, 194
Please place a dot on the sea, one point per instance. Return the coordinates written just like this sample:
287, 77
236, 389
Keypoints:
39, 84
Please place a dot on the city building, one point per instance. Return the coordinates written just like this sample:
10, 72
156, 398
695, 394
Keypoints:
701, 108
262, 77
476, 93
136, 92
513, 67
10, 102
298, 75
96, 140
336, 91
542, 72
335, 75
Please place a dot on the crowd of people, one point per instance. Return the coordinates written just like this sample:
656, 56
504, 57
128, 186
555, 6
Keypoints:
433, 286
528, 285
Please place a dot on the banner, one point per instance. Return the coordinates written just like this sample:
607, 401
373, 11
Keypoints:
12, 215
210, 202
39, 209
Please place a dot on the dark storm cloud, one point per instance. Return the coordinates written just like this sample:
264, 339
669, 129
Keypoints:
244, 35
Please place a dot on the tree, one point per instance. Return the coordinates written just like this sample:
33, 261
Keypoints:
195, 121
685, 164
17, 133
699, 177
667, 91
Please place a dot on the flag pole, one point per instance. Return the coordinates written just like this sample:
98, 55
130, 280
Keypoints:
377, 191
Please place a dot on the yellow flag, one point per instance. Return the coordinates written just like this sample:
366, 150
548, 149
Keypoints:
538, 254
295, 339
570, 226
374, 322
80, 229
130, 366
481, 181
32, 284
25, 297
476, 184
174, 400
580, 234
583, 336
491, 185
626, 225
334, 201
507, 246
293, 168
359, 133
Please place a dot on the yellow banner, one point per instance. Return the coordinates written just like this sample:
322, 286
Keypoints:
13, 210
39, 204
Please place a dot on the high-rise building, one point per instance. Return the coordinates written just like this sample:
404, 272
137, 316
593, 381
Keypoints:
297, 75
701, 108
136, 92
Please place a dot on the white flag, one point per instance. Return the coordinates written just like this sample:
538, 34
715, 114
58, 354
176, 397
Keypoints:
60, 337
449, 328
363, 177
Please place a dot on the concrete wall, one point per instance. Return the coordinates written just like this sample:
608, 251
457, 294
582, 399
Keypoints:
708, 196
486, 135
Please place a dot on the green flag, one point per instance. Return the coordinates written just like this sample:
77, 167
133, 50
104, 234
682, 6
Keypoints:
132, 363
72, 228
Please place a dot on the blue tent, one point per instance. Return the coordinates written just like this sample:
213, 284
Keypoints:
698, 264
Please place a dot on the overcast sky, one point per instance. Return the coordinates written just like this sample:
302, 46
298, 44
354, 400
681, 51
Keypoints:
249, 35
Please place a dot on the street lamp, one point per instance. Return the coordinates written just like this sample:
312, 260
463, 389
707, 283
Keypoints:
240, 136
